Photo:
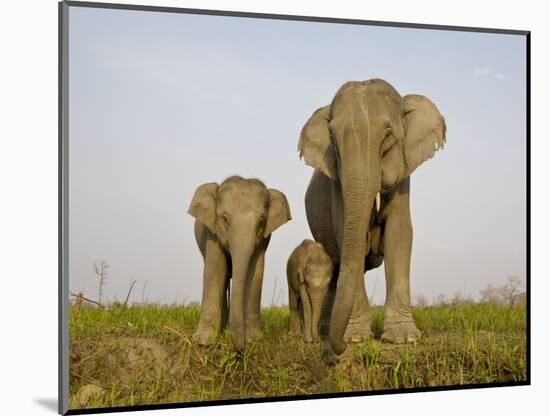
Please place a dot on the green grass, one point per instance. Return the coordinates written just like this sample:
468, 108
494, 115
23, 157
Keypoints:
143, 355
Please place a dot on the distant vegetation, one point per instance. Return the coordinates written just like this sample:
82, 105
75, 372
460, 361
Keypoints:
512, 293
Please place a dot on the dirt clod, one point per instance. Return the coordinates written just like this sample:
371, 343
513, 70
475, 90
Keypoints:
88, 393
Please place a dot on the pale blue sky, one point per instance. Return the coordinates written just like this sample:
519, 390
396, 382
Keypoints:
161, 103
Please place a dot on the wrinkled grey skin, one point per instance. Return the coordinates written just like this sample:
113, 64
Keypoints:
233, 226
367, 141
308, 270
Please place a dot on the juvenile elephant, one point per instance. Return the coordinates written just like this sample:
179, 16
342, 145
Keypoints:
233, 226
308, 270
364, 146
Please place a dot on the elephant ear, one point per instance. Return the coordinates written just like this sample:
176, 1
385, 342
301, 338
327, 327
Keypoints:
203, 205
425, 131
315, 146
278, 213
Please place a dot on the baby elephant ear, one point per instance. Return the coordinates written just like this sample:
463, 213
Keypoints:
279, 211
203, 205
315, 146
425, 130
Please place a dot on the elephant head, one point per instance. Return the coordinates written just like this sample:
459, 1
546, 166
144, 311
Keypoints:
241, 213
367, 140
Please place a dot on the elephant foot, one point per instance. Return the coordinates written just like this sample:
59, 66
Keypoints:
204, 335
294, 333
358, 331
253, 333
327, 354
400, 332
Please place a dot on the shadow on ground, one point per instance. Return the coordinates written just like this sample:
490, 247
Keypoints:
49, 404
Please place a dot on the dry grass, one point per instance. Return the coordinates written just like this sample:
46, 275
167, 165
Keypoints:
143, 355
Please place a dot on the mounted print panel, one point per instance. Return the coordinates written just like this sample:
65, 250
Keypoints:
265, 207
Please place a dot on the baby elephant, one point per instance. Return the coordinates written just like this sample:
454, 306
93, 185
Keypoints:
234, 222
309, 270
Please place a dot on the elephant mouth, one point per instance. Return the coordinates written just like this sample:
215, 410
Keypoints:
378, 206
388, 187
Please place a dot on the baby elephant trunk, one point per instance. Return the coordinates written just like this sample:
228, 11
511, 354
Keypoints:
306, 308
240, 257
316, 306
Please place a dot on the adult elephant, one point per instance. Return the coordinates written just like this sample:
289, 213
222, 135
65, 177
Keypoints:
364, 147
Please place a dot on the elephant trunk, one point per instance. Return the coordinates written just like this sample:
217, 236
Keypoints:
306, 307
241, 254
360, 182
351, 263
316, 305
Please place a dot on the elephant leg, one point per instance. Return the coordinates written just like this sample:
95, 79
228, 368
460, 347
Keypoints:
399, 326
254, 290
213, 293
327, 353
295, 325
359, 326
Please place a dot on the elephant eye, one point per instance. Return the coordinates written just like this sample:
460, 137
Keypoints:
387, 143
226, 220
260, 226
335, 152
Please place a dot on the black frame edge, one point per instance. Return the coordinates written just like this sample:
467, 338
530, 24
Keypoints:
528, 199
256, 15
291, 398
63, 288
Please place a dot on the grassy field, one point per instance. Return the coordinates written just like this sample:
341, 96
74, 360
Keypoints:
143, 355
